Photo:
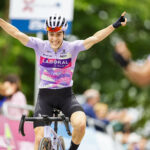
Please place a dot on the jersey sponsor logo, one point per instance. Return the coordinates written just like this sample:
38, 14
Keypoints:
47, 55
48, 51
63, 53
55, 63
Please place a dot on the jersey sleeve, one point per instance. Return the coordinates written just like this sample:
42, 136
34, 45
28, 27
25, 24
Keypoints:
35, 43
78, 45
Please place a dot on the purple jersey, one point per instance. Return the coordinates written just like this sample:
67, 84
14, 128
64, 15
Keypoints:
56, 68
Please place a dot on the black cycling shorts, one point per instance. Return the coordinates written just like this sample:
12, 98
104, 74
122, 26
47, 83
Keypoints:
62, 99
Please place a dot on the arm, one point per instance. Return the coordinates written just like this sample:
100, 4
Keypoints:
14, 32
98, 36
139, 74
102, 34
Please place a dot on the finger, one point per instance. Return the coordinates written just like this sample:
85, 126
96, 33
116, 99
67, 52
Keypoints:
124, 23
123, 14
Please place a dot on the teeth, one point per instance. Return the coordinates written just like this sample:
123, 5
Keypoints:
55, 43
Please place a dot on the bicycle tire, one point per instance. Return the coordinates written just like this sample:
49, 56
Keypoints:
45, 144
62, 143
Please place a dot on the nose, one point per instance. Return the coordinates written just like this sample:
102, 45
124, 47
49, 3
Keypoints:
54, 37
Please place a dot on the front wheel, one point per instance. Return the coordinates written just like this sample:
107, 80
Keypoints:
62, 146
45, 144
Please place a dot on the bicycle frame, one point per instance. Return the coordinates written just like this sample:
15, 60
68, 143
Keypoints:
50, 133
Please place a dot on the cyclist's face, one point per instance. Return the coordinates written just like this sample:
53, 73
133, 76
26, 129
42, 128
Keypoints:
55, 39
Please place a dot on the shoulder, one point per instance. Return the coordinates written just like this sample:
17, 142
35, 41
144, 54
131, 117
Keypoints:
35, 39
66, 42
77, 44
19, 95
35, 42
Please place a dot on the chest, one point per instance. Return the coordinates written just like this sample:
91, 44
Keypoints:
60, 54
52, 59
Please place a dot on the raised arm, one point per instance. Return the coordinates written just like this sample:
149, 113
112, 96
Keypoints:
137, 73
14, 32
102, 34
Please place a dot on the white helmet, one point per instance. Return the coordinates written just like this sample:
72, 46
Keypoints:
56, 23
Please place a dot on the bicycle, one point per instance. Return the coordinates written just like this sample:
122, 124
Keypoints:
51, 140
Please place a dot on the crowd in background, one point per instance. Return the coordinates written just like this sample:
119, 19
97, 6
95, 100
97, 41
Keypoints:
120, 121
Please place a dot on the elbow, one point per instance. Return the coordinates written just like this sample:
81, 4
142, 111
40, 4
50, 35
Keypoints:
141, 82
140, 78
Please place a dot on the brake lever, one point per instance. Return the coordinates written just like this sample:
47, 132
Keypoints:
66, 123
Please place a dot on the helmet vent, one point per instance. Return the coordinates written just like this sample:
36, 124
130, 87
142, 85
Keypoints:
63, 22
58, 24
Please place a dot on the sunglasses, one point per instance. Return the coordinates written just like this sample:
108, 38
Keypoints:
56, 29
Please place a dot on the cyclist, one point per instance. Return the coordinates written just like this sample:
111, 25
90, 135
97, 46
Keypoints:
56, 59
138, 73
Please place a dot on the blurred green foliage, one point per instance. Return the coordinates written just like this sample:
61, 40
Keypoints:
95, 68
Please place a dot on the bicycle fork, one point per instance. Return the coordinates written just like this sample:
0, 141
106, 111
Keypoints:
50, 133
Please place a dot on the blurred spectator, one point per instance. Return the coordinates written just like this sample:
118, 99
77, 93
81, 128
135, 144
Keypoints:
92, 97
101, 110
139, 73
133, 141
10, 91
121, 123
142, 143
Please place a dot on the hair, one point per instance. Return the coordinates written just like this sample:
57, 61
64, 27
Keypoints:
91, 93
13, 79
99, 106
47, 33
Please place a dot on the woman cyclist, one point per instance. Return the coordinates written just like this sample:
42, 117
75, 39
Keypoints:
56, 59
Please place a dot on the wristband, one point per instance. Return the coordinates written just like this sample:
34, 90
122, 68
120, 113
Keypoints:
118, 22
121, 60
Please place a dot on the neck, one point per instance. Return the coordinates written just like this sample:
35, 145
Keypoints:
56, 49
